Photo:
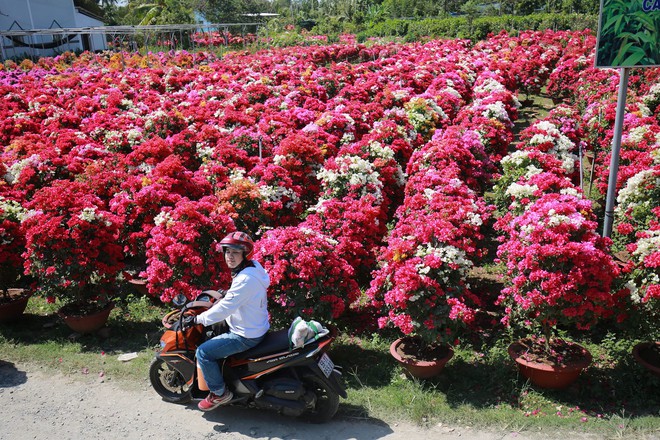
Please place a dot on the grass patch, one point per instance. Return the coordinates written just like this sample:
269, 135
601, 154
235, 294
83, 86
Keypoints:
480, 387
41, 338
534, 108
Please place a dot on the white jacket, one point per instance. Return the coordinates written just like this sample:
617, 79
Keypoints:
244, 305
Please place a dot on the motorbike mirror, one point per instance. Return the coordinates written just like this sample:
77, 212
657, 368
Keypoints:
179, 300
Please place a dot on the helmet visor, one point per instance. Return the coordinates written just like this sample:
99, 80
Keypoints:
238, 247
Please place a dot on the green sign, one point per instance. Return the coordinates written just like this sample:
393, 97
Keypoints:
628, 32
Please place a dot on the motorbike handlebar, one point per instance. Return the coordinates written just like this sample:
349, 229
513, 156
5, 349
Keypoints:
175, 315
197, 304
216, 294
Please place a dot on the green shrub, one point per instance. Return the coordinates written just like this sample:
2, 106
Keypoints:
477, 28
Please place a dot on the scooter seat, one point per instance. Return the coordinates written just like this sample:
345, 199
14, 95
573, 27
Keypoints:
272, 343
278, 341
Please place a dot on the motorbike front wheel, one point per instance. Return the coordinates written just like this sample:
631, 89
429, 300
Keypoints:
327, 401
169, 383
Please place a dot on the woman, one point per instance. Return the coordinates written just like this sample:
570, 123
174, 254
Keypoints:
244, 308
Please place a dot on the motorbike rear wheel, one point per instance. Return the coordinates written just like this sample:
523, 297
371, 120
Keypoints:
327, 401
169, 383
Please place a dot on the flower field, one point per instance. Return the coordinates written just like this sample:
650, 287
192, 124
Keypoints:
374, 178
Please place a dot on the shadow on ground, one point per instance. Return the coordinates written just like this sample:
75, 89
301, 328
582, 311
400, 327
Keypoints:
10, 376
264, 424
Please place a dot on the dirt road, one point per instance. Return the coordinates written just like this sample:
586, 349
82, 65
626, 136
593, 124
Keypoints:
36, 405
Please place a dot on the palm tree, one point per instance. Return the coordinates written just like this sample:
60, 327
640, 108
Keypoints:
150, 12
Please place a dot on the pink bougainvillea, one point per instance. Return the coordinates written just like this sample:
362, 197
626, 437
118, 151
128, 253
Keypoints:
12, 241
182, 254
358, 160
307, 276
71, 243
560, 268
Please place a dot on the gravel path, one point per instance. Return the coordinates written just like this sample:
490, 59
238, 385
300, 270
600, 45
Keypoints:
37, 405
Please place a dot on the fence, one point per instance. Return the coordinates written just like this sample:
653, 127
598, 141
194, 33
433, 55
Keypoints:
35, 43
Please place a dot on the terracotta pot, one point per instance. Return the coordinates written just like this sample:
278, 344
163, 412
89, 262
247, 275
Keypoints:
420, 369
140, 285
647, 354
13, 310
549, 376
88, 323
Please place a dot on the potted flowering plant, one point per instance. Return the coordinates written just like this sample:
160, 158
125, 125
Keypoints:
72, 250
13, 300
560, 273
420, 286
12, 242
357, 224
425, 115
307, 277
546, 137
280, 195
181, 253
301, 158
242, 200
145, 193
643, 281
637, 204
516, 187
422, 290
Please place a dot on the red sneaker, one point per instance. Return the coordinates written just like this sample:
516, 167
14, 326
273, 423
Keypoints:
213, 401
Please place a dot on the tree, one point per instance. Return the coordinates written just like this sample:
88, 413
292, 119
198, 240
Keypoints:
471, 9
526, 7
105, 4
308, 8
414, 8
580, 6
231, 11
507, 7
89, 5
153, 12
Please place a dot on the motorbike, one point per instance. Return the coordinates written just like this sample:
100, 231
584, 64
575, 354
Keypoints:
299, 382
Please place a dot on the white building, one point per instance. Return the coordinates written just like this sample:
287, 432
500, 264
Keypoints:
46, 28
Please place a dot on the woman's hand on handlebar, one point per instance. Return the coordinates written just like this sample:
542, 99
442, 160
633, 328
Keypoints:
187, 322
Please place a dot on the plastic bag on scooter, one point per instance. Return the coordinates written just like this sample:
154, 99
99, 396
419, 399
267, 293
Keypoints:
302, 332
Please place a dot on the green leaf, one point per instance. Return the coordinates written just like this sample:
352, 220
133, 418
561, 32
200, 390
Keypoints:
643, 37
646, 20
623, 51
619, 25
610, 23
633, 59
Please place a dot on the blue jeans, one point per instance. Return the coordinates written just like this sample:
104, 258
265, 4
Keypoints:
220, 347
